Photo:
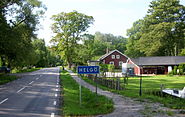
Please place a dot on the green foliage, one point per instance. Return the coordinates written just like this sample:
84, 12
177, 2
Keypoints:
6, 78
18, 22
134, 35
181, 68
152, 84
160, 32
102, 42
103, 67
182, 52
111, 67
92, 104
41, 52
68, 28
24, 70
175, 70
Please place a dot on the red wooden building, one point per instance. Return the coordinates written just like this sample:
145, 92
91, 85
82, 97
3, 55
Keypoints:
143, 65
114, 57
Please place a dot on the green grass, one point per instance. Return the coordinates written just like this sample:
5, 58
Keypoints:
6, 78
152, 84
92, 104
25, 70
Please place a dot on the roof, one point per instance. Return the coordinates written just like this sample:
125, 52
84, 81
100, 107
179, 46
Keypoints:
159, 60
105, 55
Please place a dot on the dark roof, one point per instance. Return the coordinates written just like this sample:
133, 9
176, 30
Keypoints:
105, 55
161, 60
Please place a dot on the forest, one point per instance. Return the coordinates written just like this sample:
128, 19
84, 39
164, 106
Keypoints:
161, 32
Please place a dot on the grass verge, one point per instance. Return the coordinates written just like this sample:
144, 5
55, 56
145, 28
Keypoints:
150, 88
25, 70
92, 104
6, 78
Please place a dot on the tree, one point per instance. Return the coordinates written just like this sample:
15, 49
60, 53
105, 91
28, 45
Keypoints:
18, 21
134, 34
41, 52
108, 42
163, 29
68, 28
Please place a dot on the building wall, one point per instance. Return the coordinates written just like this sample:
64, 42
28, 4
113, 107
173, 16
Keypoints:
108, 59
136, 68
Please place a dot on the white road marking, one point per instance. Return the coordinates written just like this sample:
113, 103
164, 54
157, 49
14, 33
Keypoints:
55, 103
31, 82
57, 86
56, 89
4, 101
20, 89
37, 78
52, 114
55, 95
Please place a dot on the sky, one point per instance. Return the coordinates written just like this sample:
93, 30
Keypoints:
111, 16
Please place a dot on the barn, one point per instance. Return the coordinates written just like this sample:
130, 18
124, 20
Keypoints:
156, 64
143, 65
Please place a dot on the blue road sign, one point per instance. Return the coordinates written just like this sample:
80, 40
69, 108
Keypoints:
88, 69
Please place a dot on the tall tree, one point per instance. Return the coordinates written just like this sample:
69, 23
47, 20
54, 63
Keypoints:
68, 28
18, 22
163, 29
134, 34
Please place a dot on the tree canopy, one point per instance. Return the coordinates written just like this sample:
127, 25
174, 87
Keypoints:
161, 32
68, 28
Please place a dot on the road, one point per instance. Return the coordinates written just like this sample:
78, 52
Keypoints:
36, 94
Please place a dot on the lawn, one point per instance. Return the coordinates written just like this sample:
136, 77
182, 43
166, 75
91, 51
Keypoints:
151, 89
92, 104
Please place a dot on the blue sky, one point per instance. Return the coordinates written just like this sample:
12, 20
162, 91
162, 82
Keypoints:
111, 16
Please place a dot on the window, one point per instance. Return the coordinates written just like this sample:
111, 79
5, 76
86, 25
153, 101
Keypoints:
120, 63
118, 56
113, 56
104, 61
111, 62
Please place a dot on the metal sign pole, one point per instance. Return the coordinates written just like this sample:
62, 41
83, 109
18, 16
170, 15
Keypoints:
80, 88
87, 70
96, 83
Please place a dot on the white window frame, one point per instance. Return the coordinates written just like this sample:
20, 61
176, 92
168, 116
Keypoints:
120, 63
111, 62
113, 56
117, 56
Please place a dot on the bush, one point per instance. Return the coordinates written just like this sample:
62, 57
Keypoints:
103, 67
111, 68
175, 70
181, 69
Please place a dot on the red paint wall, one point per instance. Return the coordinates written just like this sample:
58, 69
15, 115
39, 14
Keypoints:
136, 68
116, 61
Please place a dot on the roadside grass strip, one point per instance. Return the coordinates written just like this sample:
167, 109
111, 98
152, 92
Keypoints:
25, 70
92, 104
6, 78
151, 89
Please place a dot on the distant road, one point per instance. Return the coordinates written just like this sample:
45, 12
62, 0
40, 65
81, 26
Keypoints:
36, 94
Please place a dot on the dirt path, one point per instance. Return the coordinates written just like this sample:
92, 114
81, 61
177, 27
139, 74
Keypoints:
127, 107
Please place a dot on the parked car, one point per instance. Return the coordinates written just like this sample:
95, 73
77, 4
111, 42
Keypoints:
4, 69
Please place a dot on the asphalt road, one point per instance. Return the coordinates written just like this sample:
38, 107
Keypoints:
36, 94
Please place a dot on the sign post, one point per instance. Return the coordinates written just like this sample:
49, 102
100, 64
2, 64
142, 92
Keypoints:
88, 70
